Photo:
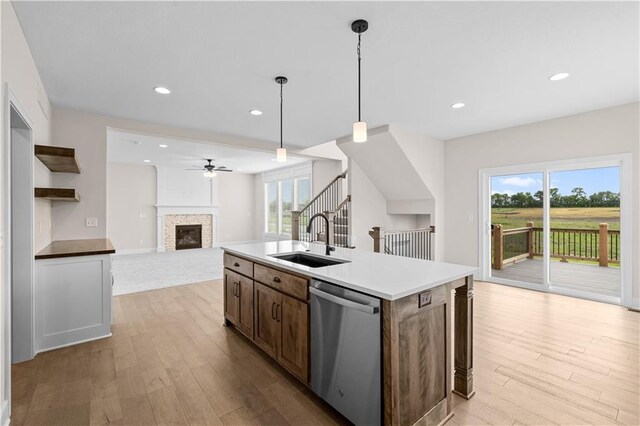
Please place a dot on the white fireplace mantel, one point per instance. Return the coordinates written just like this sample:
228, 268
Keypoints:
163, 210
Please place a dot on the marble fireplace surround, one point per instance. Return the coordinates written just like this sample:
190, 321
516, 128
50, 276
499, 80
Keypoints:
170, 216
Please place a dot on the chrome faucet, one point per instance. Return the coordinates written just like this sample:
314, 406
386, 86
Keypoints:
328, 249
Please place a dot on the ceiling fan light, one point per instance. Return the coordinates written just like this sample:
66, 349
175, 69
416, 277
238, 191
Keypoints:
281, 155
209, 174
360, 131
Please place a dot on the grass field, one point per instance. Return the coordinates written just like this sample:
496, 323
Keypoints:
561, 217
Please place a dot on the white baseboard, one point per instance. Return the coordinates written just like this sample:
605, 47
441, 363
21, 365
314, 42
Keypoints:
135, 251
4, 417
635, 304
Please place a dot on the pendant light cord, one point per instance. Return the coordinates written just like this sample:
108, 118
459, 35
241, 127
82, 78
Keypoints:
359, 60
281, 101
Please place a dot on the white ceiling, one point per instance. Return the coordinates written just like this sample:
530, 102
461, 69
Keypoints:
133, 148
220, 58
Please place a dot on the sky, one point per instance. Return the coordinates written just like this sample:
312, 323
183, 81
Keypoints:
591, 180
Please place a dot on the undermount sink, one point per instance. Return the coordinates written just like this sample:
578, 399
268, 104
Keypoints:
310, 260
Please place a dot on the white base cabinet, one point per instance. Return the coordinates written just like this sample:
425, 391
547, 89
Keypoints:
73, 300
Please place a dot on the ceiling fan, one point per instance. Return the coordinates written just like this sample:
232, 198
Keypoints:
211, 169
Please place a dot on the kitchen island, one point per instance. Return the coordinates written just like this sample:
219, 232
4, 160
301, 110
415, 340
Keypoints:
267, 299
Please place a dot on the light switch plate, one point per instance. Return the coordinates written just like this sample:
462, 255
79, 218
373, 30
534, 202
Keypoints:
91, 222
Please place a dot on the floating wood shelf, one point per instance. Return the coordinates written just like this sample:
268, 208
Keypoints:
57, 194
58, 159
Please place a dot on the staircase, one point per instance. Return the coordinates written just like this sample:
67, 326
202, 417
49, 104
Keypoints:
329, 202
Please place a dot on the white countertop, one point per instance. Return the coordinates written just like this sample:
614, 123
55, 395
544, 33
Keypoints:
381, 275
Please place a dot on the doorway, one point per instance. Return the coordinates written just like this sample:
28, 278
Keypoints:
18, 222
560, 227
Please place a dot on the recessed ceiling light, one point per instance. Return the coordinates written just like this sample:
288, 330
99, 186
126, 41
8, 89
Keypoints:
147, 161
559, 76
255, 112
163, 145
162, 90
457, 105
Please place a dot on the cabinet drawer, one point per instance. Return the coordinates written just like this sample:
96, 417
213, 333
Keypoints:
287, 283
238, 264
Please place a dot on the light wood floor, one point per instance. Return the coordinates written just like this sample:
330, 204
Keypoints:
539, 359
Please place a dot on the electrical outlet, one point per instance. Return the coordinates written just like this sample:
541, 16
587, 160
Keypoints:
424, 299
91, 222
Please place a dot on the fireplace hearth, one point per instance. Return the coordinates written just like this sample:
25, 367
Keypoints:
188, 237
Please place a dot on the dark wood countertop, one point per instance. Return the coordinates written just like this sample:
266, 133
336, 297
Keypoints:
72, 248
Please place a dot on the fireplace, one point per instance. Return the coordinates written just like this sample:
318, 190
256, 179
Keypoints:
188, 236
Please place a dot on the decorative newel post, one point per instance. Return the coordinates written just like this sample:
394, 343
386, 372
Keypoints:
498, 254
603, 256
295, 224
378, 239
463, 340
530, 240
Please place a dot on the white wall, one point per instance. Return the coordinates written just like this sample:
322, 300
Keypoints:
607, 131
20, 72
87, 133
180, 187
131, 211
323, 172
369, 209
236, 199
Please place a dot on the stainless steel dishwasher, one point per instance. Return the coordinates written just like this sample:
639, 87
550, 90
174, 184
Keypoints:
346, 351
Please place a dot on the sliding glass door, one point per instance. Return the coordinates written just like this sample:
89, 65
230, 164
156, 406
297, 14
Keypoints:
584, 236
555, 227
516, 223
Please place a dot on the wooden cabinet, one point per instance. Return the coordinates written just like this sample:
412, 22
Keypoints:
293, 348
238, 301
267, 326
282, 329
272, 311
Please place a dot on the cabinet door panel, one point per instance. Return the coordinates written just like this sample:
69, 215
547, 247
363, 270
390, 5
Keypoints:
231, 302
293, 350
245, 306
267, 330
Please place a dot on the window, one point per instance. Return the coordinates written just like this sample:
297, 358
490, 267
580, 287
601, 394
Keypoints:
271, 197
284, 193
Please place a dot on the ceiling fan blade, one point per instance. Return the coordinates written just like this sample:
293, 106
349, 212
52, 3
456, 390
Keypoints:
223, 170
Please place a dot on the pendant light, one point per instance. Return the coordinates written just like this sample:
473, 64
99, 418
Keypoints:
281, 153
360, 127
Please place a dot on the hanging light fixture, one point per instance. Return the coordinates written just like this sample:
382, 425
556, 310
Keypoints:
281, 153
360, 127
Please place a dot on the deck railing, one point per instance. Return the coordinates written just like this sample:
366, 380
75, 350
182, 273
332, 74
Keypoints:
515, 244
416, 243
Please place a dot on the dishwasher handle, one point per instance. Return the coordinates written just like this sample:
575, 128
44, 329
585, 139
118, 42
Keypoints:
344, 302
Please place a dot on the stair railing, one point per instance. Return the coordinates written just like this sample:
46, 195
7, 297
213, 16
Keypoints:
416, 243
340, 219
327, 200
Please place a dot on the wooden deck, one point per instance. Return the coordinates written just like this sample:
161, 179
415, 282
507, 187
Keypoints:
575, 276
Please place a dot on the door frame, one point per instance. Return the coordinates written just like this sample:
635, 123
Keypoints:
11, 102
622, 160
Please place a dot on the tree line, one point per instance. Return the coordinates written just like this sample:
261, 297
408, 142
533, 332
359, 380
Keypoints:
578, 198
